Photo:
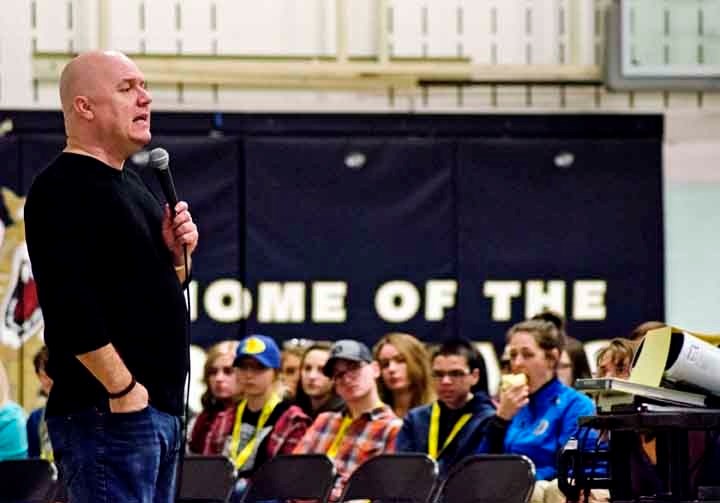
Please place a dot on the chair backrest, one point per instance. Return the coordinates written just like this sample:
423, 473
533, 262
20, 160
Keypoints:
490, 478
299, 476
27, 481
205, 478
406, 477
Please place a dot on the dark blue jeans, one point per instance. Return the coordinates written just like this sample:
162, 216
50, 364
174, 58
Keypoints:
104, 457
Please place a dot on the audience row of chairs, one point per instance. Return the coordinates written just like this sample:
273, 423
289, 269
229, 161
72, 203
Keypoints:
411, 478
27, 481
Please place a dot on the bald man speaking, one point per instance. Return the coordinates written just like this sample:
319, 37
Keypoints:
110, 264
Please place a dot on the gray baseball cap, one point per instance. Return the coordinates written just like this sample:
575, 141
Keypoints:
347, 349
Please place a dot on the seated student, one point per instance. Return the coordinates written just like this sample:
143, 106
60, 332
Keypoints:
13, 437
315, 391
450, 428
537, 417
264, 425
367, 427
405, 380
573, 364
615, 359
290, 370
223, 391
39, 445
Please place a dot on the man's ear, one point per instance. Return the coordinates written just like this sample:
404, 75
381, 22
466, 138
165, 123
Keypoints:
375, 369
83, 108
475, 376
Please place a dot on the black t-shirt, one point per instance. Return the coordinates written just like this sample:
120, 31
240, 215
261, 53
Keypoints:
249, 425
104, 275
448, 418
251, 417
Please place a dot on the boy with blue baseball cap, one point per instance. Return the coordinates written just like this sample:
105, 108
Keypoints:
265, 425
261, 348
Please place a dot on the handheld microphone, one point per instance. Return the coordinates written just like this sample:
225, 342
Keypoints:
160, 162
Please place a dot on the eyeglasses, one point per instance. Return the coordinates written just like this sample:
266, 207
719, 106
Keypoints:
351, 370
296, 343
456, 374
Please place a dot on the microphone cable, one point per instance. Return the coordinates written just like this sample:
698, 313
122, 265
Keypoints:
158, 159
188, 382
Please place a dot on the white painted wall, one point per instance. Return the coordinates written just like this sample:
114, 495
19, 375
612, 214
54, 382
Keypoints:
692, 220
487, 31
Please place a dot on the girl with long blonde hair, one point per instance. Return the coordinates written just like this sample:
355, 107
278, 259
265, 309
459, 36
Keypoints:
405, 380
223, 391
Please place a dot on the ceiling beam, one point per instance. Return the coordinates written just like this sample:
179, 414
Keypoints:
326, 73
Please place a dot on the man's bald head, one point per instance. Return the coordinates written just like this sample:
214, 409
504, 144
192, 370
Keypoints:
82, 76
106, 106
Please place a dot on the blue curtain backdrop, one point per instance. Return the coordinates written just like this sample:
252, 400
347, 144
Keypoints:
329, 226
565, 210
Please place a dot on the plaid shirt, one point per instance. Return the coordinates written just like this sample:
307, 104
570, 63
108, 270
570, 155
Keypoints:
288, 431
211, 430
211, 433
370, 434
278, 438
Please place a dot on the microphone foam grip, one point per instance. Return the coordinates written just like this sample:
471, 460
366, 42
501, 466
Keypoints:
160, 162
159, 159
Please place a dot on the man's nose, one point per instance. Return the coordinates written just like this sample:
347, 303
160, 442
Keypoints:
145, 98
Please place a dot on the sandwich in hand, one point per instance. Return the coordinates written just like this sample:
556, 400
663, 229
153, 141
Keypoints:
510, 380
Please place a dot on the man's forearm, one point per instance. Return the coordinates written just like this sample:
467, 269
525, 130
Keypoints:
107, 367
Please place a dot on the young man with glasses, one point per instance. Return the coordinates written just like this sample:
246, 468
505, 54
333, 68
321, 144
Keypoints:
365, 428
450, 428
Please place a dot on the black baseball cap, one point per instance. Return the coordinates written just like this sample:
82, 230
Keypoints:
347, 349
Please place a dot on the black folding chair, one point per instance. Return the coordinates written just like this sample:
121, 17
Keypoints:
27, 481
205, 479
489, 478
406, 477
300, 477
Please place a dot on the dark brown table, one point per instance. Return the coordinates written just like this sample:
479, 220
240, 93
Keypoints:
671, 428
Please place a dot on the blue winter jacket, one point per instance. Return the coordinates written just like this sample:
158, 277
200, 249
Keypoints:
542, 428
413, 437
13, 438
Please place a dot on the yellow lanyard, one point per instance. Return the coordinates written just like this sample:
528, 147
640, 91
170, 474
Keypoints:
48, 455
239, 458
46, 451
333, 449
434, 430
